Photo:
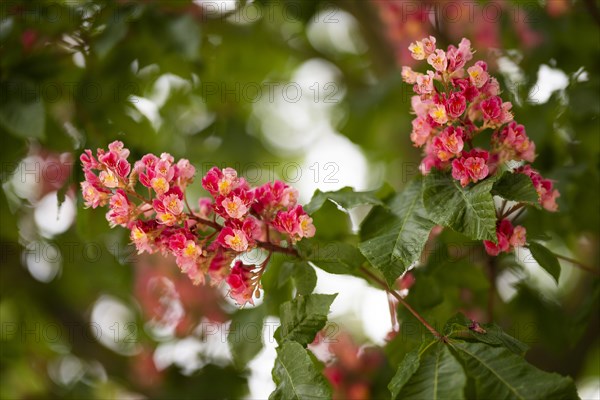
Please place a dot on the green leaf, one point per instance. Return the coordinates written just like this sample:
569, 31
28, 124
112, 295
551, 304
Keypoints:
501, 374
296, 376
303, 317
516, 187
406, 369
333, 257
469, 210
394, 237
302, 274
22, 109
546, 259
346, 197
439, 376
245, 334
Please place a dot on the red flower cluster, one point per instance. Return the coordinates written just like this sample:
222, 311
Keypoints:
453, 104
508, 237
205, 241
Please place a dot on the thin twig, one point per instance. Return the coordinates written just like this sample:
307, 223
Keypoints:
418, 316
578, 264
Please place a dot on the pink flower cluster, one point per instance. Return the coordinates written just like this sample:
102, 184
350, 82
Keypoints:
547, 195
205, 240
508, 238
453, 104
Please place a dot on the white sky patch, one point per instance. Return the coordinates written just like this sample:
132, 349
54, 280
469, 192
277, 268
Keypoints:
292, 115
52, 220
331, 163
356, 300
215, 8
335, 30
549, 80
43, 260
260, 381
113, 325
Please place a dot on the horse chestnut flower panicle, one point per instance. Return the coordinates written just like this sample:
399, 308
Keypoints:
466, 103
206, 240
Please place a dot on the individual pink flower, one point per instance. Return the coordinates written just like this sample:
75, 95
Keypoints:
240, 283
234, 239
120, 209
165, 170
420, 106
458, 57
92, 196
428, 45
438, 60
306, 227
417, 50
185, 171
492, 109
122, 168
173, 204
408, 75
518, 237
424, 85
438, 113
119, 148
471, 167
478, 74
160, 185
421, 131
88, 160
187, 260
235, 207
141, 240
449, 143
456, 105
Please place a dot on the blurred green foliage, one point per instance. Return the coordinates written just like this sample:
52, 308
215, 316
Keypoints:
78, 74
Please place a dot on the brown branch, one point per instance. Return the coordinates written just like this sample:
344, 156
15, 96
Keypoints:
578, 264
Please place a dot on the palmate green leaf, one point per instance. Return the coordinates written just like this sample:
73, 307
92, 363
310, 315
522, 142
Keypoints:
516, 187
303, 317
296, 376
245, 334
345, 197
469, 210
393, 237
546, 259
333, 257
501, 374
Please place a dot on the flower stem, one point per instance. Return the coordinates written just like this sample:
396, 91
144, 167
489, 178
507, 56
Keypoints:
512, 210
418, 316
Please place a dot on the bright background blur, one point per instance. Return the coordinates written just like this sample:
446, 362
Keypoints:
305, 91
